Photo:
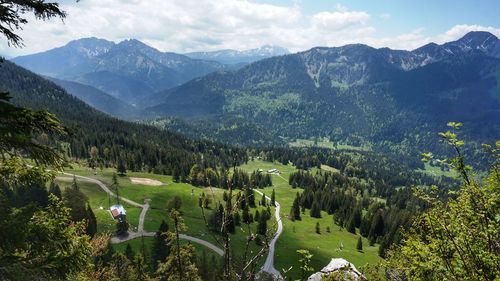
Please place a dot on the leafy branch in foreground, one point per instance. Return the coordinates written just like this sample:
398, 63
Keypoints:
457, 239
11, 18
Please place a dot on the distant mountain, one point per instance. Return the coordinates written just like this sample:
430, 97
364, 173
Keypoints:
129, 70
99, 99
141, 147
394, 101
240, 57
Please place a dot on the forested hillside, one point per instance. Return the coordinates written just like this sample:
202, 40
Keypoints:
393, 101
140, 147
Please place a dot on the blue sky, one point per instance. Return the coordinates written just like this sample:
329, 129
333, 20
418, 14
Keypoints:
203, 25
393, 17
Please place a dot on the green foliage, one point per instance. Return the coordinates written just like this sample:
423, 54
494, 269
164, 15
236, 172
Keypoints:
359, 245
11, 16
305, 261
174, 204
42, 245
161, 246
455, 239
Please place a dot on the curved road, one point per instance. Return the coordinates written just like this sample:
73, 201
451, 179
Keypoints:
269, 264
140, 228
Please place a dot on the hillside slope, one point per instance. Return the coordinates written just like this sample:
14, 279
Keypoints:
395, 101
140, 147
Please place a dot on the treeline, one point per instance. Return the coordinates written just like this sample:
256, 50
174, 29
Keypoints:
379, 171
354, 205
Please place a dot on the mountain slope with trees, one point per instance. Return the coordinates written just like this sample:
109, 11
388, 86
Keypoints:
129, 70
140, 147
393, 101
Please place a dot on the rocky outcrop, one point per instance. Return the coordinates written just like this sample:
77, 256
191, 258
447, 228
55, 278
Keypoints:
340, 269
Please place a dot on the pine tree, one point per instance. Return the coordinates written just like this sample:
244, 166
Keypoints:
359, 246
92, 222
295, 211
318, 230
55, 189
351, 227
273, 198
246, 215
160, 249
203, 269
257, 216
129, 253
262, 226
121, 226
121, 169
263, 200
237, 219
315, 210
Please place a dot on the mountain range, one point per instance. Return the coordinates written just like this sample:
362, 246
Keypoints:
230, 56
129, 70
390, 100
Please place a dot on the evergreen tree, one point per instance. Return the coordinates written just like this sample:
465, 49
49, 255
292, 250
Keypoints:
120, 168
246, 215
263, 200
249, 197
315, 210
351, 227
55, 189
91, 229
237, 219
129, 253
262, 225
257, 216
295, 210
203, 269
273, 198
160, 249
359, 246
122, 226
317, 228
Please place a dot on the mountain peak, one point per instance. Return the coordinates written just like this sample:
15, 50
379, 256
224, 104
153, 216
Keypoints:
474, 40
478, 36
91, 46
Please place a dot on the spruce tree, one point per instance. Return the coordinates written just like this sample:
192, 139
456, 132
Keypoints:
257, 216
351, 227
359, 246
129, 253
120, 168
160, 249
262, 226
295, 211
315, 210
246, 215
55, 189
263, 200
91, 229
273, 198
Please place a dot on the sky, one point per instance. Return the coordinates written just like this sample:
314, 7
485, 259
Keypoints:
206, 25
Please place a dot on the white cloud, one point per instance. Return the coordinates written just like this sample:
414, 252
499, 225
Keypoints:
335, 21
460, 30
385, 16
194, 25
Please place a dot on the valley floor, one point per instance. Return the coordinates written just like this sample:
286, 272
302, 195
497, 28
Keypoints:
296, 235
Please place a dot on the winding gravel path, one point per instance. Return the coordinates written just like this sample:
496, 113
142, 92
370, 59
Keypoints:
140, 228
269, 264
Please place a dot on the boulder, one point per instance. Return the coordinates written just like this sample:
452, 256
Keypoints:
342, 269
